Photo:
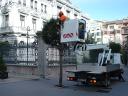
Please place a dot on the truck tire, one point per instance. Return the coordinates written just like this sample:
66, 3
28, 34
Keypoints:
107, 82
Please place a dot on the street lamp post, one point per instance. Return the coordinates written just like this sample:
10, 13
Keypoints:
28, 29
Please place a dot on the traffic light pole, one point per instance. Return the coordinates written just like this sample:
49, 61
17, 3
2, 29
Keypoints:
60, 61
61, 48
61, 67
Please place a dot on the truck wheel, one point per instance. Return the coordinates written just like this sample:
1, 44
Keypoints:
120, 77
107, 82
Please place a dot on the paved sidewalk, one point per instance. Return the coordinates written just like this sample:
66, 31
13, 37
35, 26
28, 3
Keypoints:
18, 77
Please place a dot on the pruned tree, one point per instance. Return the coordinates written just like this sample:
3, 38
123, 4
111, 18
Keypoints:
125, 51
51, 36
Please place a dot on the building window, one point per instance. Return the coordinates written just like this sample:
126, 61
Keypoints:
31, 4
125, 31
42, 7
24, 2
68, 13
118, 31
58, 9
118, 39
6, 20
105, 32
21, 43
112, 32
125, 24
98, 33
34, 23
93, 34
22, 20
45, 9
19, 1
36, 5
111, 27
43, 23
119, 26
98, 39
75, 15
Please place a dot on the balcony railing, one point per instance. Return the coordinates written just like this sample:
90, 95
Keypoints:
6, 29
15, 29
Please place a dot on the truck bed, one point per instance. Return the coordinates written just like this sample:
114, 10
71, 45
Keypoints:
96, 69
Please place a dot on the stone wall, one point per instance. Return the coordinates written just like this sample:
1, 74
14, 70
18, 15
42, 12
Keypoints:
33, 70
26, 70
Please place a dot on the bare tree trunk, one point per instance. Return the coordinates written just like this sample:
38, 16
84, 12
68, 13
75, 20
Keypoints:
41, 58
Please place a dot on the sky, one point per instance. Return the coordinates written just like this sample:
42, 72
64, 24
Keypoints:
103, 9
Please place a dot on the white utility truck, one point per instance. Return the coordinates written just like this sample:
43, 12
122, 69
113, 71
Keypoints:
108, 65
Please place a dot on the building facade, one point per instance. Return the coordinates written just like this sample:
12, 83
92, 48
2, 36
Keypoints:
95, 29
115, 31
21, 19
104, 32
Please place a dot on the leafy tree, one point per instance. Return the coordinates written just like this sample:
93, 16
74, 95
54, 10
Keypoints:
125, 51
116, 47
51, 36
4, 49
3, 67
50, 33
124, 56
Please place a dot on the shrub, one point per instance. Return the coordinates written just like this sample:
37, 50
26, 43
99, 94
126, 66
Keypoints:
3, 67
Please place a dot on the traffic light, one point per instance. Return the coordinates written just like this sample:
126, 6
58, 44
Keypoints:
62, 18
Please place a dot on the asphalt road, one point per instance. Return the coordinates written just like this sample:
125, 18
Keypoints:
47, 87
